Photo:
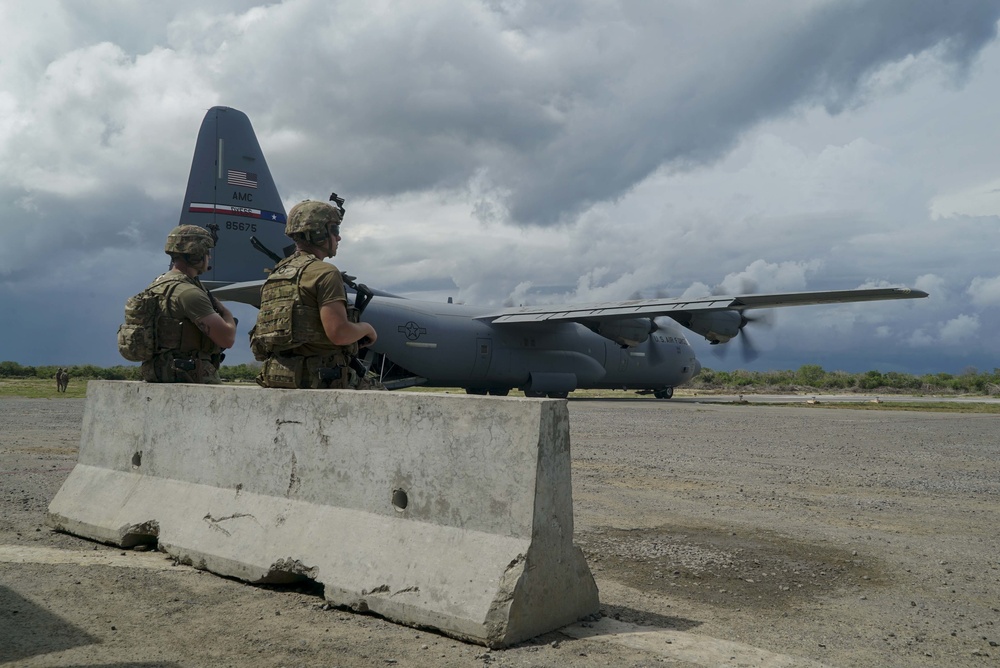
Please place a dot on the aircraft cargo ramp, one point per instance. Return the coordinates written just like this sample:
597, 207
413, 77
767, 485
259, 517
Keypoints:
449, 512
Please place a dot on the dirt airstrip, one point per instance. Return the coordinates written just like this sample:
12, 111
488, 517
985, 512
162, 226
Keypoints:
726, 535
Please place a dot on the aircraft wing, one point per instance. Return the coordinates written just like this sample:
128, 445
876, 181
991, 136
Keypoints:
247, 292
651, 308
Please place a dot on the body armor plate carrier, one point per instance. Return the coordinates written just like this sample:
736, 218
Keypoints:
165, 344
285, 323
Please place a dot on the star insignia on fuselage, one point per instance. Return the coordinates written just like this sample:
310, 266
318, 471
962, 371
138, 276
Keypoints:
411, 330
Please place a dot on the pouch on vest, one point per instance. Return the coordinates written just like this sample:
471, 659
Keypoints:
257, 347
146, 330
168, 333
170, 367
137, 336
329, 372
279, 294
282, 372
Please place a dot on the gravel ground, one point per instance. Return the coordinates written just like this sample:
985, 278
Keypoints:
718, 535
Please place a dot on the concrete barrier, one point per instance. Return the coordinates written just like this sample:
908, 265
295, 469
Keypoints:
432, 510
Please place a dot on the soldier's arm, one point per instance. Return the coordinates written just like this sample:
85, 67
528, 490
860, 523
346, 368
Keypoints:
221, 330
340, 330
204, 311
221, 309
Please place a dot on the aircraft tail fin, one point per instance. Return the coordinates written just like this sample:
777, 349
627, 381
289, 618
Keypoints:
230, 193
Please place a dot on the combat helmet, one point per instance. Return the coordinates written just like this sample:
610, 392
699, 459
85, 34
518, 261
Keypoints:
189, 240
311, 220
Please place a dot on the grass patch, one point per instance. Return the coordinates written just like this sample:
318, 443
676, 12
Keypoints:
37, 388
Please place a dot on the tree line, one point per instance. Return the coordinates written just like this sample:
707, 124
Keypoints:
120, 372
808, 377
814, 377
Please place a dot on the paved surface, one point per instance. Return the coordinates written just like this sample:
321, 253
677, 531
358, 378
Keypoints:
829, 398
718, 534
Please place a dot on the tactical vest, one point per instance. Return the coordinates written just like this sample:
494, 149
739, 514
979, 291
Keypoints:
178, 334
284, 322
151, 327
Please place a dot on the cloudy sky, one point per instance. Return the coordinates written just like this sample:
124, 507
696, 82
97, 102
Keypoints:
515, 152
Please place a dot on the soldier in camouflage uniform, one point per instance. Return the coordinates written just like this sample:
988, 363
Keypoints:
192, 326
306, 334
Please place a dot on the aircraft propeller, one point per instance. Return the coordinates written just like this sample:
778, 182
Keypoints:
747, 347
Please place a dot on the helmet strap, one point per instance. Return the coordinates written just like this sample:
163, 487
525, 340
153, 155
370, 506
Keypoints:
322, 242
191, 262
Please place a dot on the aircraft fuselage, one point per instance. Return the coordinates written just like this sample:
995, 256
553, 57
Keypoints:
451, 345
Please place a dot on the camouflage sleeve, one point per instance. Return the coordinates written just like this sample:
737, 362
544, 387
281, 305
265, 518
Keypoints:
192, 302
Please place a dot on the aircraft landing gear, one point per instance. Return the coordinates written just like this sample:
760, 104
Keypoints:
494, 391
664, 393
541, 395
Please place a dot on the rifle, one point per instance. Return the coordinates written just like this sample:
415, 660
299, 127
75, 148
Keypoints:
258, 246
362, 294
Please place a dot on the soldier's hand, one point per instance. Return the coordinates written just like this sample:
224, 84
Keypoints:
368, 339
219, 307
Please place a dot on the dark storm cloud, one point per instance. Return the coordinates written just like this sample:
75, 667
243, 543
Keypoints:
618, 119
547, 112
821, 55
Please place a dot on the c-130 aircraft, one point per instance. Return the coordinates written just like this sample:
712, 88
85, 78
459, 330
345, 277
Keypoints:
543, 351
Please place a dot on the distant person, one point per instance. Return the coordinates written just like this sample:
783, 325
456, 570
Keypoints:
58, 377
192, 327
306, 334
62, 380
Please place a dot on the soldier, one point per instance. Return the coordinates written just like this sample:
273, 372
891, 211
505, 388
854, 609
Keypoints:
306, 334
192, 327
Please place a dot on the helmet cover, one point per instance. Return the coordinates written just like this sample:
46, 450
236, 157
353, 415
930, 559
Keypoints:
190, 240
312, 217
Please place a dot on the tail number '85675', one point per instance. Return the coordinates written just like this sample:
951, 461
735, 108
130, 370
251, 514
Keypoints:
241, 226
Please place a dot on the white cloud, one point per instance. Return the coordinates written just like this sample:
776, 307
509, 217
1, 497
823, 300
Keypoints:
959, 329
954, 332
981, 200
921, 339
932, 285
526, 152
984, 291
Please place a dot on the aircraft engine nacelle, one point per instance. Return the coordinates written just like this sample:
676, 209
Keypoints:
716, 326
627, 332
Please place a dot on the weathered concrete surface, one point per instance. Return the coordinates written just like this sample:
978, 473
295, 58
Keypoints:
452, 512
